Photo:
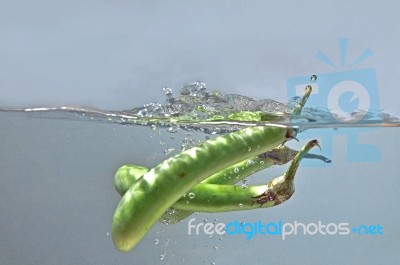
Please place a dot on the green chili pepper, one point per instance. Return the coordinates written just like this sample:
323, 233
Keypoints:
126, 175
206, 197
149, 197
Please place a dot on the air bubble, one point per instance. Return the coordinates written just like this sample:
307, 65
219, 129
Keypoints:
167, 91
313, 78
249, 162
191, 195
168, 151
245, 184
173, 129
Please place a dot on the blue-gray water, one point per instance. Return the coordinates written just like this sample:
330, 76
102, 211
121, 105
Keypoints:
57, 199
56, 190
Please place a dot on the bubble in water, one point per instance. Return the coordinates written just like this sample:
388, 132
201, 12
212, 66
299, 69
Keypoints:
245, 184
168, 151
173, 129
171, 211
191, 195
249, 162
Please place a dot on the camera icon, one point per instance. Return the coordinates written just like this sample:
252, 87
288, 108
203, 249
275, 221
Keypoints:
347, 97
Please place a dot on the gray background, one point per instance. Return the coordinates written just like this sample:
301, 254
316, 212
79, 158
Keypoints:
56, 192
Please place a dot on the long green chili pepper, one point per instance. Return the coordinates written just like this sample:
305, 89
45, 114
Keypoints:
205, 197
149, 197
126, 175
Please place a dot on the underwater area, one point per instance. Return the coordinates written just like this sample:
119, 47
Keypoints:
59, 197
88, 87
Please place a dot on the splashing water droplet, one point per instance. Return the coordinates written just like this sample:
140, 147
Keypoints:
191, 195
167, 91
293, 102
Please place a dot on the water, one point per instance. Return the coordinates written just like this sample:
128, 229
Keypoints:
57, 195
196, 108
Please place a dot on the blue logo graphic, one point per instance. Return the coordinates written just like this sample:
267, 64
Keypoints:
346, 97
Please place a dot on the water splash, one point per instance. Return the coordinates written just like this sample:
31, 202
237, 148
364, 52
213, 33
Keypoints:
197, 108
